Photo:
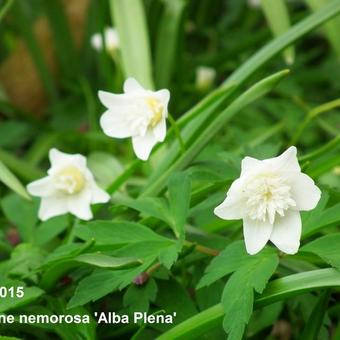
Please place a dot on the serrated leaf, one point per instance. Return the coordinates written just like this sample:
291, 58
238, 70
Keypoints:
238, 295
327, 247
102, 282
30, 295
138, 298
150, 206
234, 256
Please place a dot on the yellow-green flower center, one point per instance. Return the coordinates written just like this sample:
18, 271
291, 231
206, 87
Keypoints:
157, 110
70, 180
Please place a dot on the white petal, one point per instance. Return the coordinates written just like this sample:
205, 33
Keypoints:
287, 232
304, 192
42, 187
132, 85
232, 208
286, 162
112, 100
52, 206
256, 234
249, 164
60, 159
99, 195
79, 205
159, 130
143, 145
163, 96
115, 125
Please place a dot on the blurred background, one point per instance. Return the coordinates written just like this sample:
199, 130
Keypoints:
53, 60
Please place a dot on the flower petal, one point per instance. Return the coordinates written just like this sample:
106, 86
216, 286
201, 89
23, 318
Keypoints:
52, 206
256, 234
60, 159
304, 192
115, 125
249, 164
232, 208
159, 130
79, 205
286, 162
99, 195
143, 145
112, 100
163, 96
132, 85
41, 188
287, 232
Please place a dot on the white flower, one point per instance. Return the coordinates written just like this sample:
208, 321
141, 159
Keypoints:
268, 196
205, 77
69, 187
138, 113
111, 40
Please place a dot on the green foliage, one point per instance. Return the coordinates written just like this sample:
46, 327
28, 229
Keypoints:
156, 246
327, 247
138, 298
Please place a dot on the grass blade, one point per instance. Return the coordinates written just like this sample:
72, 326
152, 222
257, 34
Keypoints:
167, 41
11, 181
129, 18
277, 16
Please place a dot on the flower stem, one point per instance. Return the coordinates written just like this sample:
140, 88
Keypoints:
177, 132
202, 249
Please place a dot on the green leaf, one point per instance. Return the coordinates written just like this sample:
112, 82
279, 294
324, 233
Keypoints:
327, 247
276, 290
167, 41
24, 218
105, 261
138, 298
106, 232
320, 217
7, 177
25, 260
238, 296
179, 200
150, 206
102, 282
233, 257
277, 16
49, 229
30, 294
130, 21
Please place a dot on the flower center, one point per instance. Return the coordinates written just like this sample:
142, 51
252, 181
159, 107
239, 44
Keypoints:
267, 195
70, 180
157, 109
